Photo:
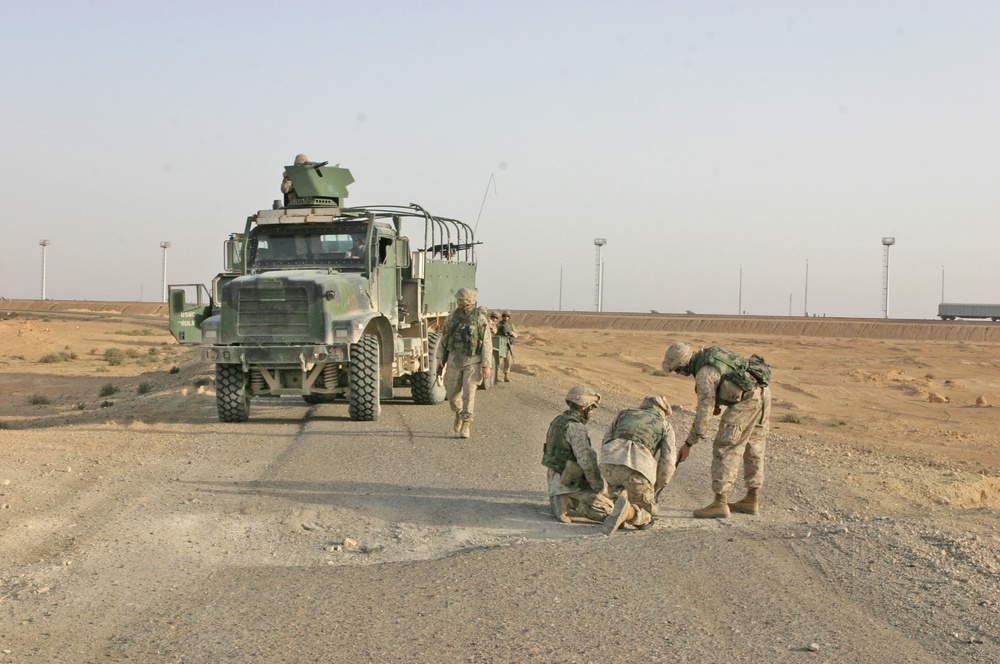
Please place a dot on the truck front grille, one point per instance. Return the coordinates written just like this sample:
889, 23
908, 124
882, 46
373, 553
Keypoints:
273, 312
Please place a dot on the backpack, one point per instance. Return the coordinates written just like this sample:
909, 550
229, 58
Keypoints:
760, 370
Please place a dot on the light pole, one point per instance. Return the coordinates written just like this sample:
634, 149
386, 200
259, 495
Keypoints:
886, 243
560, 285
739, 305
599, 242
45, 246
805, 299
165, 246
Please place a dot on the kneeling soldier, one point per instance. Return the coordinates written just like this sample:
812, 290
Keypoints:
638, 458
574, 480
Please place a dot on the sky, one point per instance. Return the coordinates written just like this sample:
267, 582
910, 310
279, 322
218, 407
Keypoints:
736, 156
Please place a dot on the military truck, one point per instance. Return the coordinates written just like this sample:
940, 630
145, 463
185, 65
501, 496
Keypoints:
327, 302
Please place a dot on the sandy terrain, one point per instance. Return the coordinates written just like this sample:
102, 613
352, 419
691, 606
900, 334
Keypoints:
133, 525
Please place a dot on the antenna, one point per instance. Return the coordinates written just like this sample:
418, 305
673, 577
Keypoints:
492, 181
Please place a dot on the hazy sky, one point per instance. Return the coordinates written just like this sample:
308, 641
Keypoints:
697, 137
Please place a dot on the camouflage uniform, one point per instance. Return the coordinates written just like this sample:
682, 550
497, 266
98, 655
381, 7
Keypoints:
638, 456
507, 334
568, 441
742, 431
466, 346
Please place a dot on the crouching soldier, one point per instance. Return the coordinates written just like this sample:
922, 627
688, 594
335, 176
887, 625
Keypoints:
574, 480
638, 458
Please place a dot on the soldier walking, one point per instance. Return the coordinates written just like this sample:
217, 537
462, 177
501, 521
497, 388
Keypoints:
507, 334
574, 480
725, 379
466, 346
638, 458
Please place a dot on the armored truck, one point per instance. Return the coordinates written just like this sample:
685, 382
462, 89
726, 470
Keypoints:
327, 302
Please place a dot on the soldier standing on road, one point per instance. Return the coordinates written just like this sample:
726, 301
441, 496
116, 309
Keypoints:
466, 346
724, 378
574, 480
638, 457
494, 319
507, 333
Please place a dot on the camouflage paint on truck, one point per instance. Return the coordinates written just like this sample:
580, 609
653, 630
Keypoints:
327, 302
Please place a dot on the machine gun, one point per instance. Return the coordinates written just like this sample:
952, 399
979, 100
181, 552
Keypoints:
449, 249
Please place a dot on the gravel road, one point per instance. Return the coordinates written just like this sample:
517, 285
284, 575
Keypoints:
304, 537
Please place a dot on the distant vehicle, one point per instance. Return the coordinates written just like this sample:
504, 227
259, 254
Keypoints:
328, 302
953, 311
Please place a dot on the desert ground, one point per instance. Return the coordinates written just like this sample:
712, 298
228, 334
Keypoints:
135, 526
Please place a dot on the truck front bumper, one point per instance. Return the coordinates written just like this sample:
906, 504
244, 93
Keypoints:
276, 355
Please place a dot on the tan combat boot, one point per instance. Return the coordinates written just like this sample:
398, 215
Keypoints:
458, 423
622, 512
719, 509
464, 430
560, 506
748, 505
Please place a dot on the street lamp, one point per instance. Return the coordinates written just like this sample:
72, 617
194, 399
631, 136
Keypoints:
886, 243
45, 246
165, 246
599, 242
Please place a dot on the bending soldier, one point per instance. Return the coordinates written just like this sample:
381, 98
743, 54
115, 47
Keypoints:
726, 379
466, 345
574, 480
638, 458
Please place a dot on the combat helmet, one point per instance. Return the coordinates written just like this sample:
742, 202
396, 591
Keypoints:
583, 397
678, 355
466, 294
657, 402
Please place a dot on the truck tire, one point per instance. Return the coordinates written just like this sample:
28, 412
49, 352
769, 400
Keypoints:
423, 385
231, 397
363, 405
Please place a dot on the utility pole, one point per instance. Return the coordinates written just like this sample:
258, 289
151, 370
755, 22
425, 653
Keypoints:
805, 299
164, 246
599, 242
45, 246
560, 285
739, 306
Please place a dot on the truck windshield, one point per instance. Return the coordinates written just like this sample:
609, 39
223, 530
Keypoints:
280, 248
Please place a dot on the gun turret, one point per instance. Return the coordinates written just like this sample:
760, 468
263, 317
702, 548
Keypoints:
314, 184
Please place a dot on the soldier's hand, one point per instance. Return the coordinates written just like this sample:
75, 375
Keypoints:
682, 453
440, 365
487, 372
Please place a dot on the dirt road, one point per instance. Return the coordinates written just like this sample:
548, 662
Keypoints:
145, 530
